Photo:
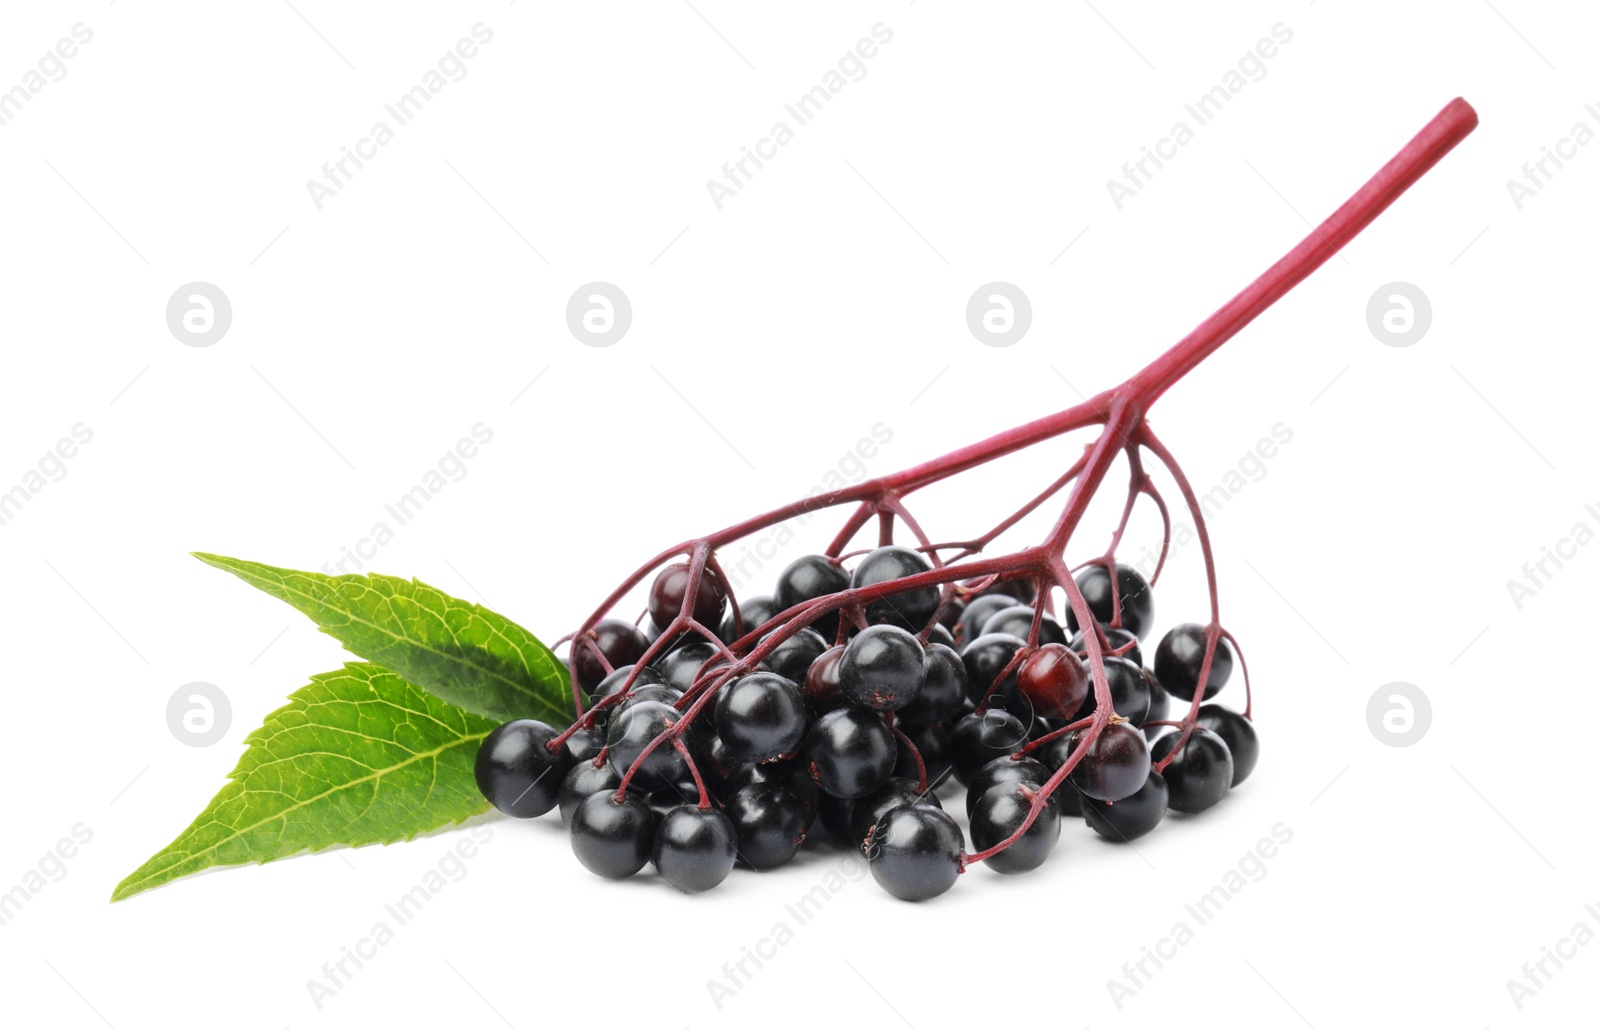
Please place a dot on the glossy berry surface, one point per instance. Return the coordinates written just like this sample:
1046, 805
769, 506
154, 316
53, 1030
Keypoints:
1131, 817
822, 686
909, 610
1130, 692
1138, 608
631, 730
882, 668
681, 664
986, 659
611, 838
695, 848
1179, 656
646, 676
1200, 772
760, 716
753, 612
849, 752
585, 743
977, 739
943, 688
867, 809
1118, 641
806, 579
516, 770
999, 813
933, 746
1116, 765
1017, 620
793, 657
1160, 705
970, 626
583, 780
915, 852
1005, 770
621, 643
672, 584
770, 824
1054, 681
1238, 733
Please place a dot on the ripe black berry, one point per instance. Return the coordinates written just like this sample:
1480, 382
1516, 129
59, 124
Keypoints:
1117, 639
909, 610
793, 657
1238, 733
895, 792
680, 665
611, 838
1017, 620
760, 716
932, 744
1000, 813
1130, 692
1131, 817
633, 728
985, 659
583, 780
695, 848
1116, 765
753, 612
622, 643
516, 770
1054, 681
791, 775
806, 579
915, 852
849, 752
970, 626
1199, 774
882, 668
944, 688
822, 686
1004, 770
770, 824
1138, 604
585, 743
1179, 656
672, 583
1160, 706
979, 738
646, 677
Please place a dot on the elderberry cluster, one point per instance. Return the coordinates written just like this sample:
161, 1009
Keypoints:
857, 722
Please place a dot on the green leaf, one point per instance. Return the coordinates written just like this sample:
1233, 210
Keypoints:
357, 757
462, 652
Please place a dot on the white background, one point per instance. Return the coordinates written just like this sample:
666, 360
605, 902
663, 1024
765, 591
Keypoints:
828, 296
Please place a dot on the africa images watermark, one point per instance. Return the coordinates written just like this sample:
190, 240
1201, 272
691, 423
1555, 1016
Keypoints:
50, 869
1538, 174
1537, 574
1536, 974
452, 67
852, 67
1251, 468
52, 67
51, 468
1252, 67
1251, 869
450, 869
451, 468
737, 973
754, 554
